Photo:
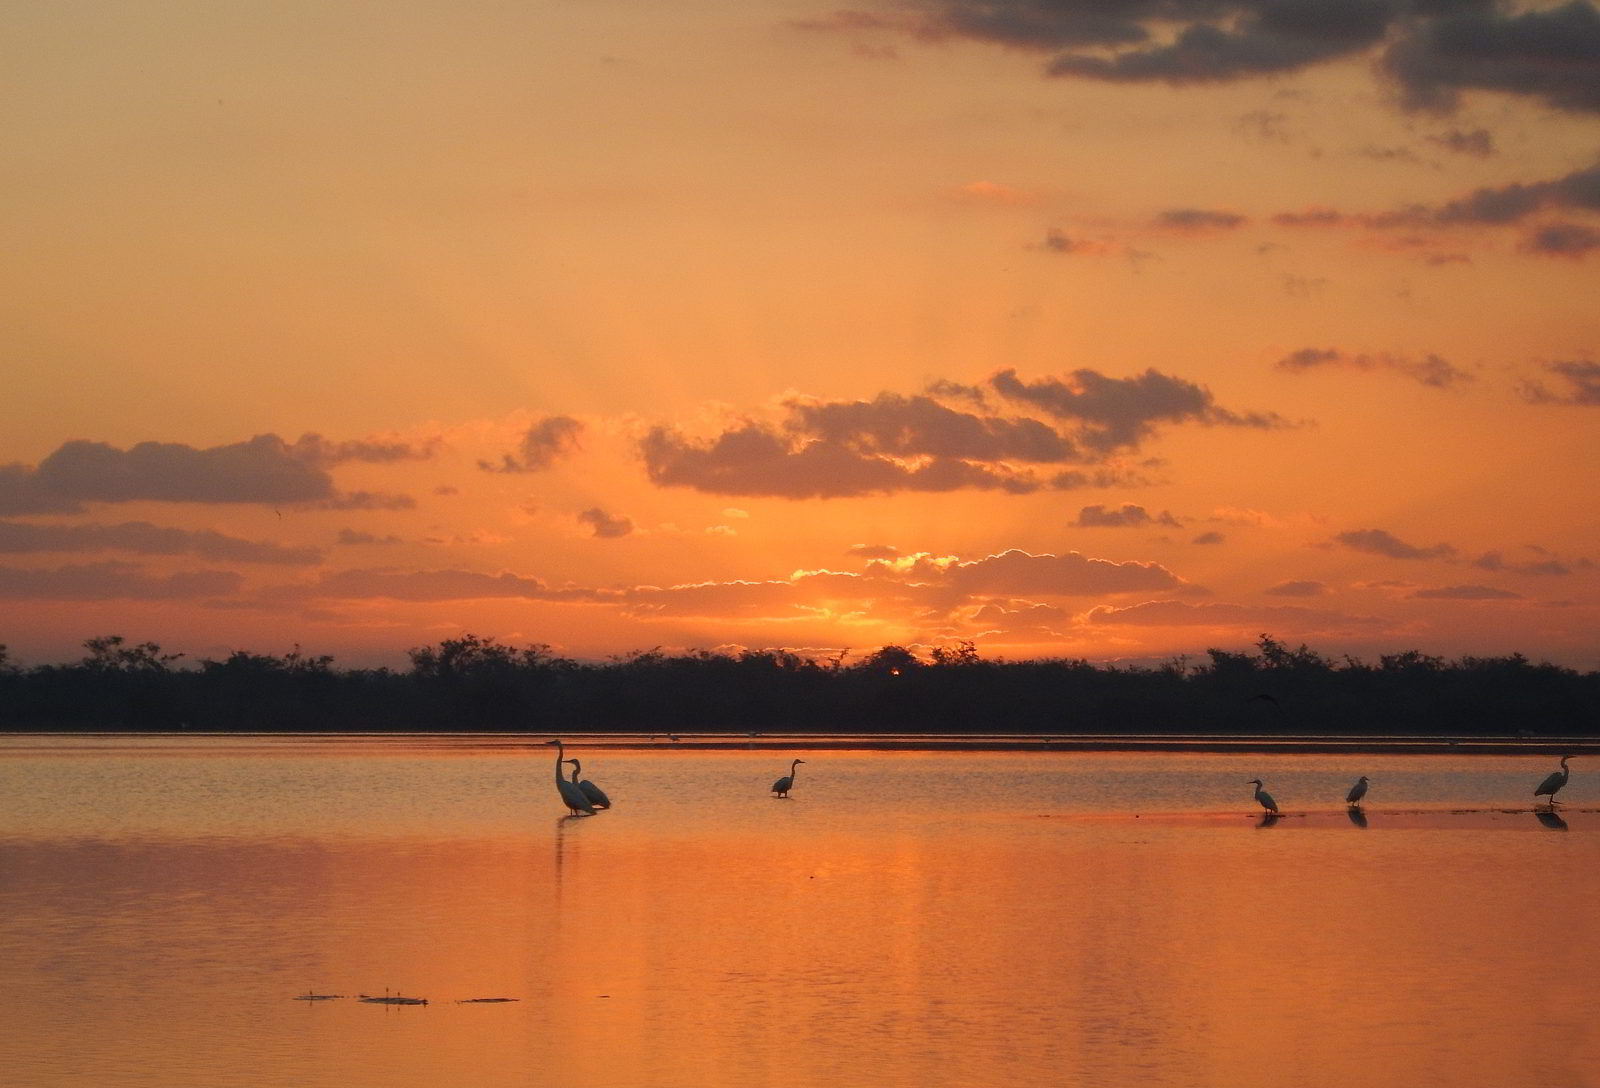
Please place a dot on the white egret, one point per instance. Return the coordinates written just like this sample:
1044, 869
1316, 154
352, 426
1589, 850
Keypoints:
597, 796
1263, 796
1554, 782
571, 795
1357, 791
783, 785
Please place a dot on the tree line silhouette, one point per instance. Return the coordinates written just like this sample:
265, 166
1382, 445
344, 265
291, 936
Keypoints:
477, 684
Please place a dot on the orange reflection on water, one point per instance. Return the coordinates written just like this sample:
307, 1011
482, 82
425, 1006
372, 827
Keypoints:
950, 934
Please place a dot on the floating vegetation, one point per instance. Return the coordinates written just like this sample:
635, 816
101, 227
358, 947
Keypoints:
485, 1000
393, 999
309, 996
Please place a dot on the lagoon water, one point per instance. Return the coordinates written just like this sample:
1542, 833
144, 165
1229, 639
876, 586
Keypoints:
906, 918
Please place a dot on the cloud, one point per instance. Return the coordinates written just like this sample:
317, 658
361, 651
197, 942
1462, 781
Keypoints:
1127, 516
873, 551
778, 600
143, 538
1465, 593
265, 469
1119, 413
114, 581
1579, 190
358, 537
1381, 542
1057, 240
1211, 537
1496, 562
1297, 589
315, 449
422, 585
754, 460
1434, 50
919, 426
990, 192
542, 444
1582, 378
604, 525
1478, 142
949, 438
1016, 573
1207, 614
1552, 54
1262, 37
1563, 240
1199, 220
1430, 370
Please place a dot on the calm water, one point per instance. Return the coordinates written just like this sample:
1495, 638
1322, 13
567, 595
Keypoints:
923, 919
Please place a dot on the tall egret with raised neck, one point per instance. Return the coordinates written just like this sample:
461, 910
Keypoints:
783, 785
1554, 782
1263, 796
571, 795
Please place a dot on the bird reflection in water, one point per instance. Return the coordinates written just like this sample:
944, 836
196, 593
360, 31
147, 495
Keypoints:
1268, 819
1357, 817
1550, 819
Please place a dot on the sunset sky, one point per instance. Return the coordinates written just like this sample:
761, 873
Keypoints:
1105, 329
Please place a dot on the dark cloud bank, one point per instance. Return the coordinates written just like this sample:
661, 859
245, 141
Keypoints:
1431, 50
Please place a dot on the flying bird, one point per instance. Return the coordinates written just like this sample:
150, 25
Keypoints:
1263, 796
597, 796
1554, 782
1357, 791
783, 785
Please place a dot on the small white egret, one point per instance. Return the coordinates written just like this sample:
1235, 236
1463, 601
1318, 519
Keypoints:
783, 785
597, 796
1357, 791
1554, 782
571, 795
1263, 796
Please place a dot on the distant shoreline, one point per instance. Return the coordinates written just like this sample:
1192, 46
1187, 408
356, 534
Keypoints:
880, 742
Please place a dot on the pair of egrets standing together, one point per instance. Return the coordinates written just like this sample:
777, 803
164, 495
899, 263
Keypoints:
584, 796
1548, 788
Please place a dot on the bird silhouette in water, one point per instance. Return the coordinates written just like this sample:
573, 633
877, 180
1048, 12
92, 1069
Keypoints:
571, 795
597, 796
1264, 797
783, 785
1554, 782
1357, 791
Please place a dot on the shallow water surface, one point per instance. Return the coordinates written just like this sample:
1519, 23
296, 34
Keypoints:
935, 918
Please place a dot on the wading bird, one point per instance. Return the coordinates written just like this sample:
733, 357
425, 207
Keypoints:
597, 796
1357, 791
1263, 796
571, 795
783, 785
1554, 782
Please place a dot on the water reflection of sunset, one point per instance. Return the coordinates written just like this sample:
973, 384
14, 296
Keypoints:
937, 928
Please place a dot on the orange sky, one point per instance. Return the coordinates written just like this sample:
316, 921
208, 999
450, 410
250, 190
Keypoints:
1115, 331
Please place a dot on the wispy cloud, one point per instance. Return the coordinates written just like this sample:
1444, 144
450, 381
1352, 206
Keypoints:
1580, 377
1430, 370
1127, 516
542, 445
1384, 543
141, 537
